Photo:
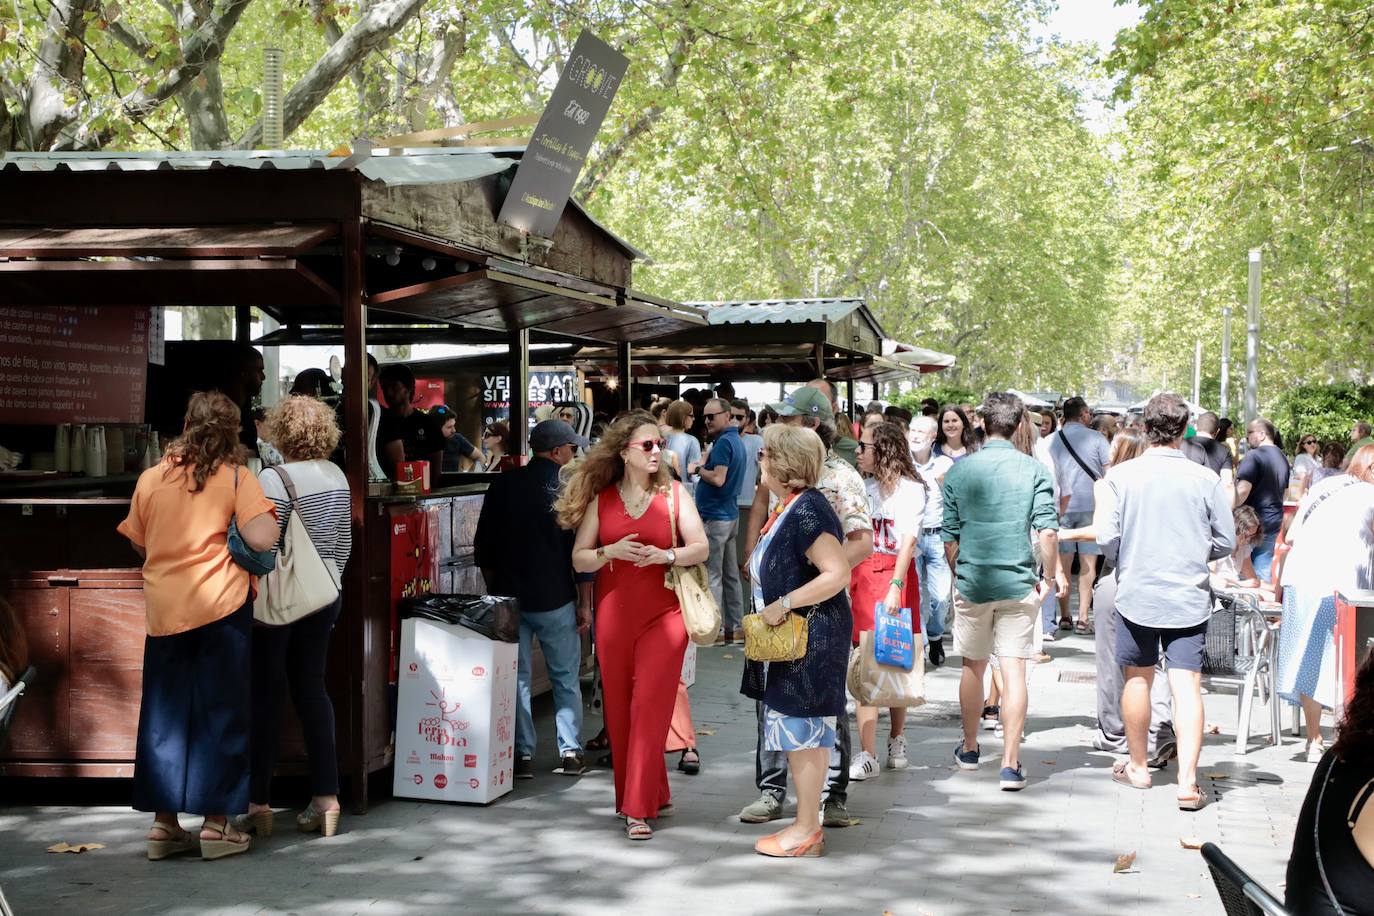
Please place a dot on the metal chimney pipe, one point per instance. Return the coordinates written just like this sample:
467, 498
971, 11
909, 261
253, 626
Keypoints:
271, 98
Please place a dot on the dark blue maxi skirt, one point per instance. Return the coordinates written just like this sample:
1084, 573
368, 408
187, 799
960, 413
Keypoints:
193, 725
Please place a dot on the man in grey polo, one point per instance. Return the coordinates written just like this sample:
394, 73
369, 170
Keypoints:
1080, 459
1168, 518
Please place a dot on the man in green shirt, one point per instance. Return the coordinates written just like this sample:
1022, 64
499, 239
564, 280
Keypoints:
994, 499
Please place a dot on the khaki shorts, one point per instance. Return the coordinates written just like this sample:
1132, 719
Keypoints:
1004, 628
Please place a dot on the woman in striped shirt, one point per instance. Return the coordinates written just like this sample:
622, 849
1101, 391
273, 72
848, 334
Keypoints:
305, 431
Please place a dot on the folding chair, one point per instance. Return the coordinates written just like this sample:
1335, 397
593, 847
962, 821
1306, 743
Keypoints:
1241, 895
1241, 649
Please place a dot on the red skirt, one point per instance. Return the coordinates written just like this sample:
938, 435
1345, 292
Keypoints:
868, 585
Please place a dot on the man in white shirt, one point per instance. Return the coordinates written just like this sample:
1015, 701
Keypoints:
1081, 458
931, 566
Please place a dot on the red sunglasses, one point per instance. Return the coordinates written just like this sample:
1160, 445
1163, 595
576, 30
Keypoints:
649, 445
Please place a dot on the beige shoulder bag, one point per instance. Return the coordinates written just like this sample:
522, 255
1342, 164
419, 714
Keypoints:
700, 613
302, 582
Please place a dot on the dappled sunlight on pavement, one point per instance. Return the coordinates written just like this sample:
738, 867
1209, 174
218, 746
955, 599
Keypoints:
931, 839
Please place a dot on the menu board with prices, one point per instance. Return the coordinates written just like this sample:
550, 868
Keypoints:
73, 364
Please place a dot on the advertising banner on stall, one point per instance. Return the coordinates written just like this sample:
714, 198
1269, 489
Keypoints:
73, 365
414, 564
429, 393
556, 153
545, 388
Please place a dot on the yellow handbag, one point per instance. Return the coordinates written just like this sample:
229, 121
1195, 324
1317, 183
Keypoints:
785, 642
700, 613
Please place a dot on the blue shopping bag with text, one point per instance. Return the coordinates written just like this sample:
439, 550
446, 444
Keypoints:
893, 640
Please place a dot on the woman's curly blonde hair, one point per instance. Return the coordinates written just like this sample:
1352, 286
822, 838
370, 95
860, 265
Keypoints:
303, 429
209, 439
603, 467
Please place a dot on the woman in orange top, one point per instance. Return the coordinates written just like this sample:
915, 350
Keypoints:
194, 719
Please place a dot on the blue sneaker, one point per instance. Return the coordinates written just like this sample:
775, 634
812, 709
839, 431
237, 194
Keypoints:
1013, 778
967, 760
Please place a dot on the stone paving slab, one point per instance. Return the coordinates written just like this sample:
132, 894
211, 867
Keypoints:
933, 840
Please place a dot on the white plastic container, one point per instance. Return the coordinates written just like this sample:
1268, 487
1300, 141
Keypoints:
62, 446
455, 714
77, 453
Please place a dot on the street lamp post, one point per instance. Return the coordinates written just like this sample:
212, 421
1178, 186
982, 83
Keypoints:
1225, 359
1252, 340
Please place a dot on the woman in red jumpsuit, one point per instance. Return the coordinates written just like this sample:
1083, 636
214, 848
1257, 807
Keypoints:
618, 500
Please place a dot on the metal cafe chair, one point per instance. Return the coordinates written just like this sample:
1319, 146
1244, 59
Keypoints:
1241, 895
1241, 649
8, 703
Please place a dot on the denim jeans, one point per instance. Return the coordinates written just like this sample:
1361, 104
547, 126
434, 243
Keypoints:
723, 570
558, 638
1262, 556
933, 570
770, 767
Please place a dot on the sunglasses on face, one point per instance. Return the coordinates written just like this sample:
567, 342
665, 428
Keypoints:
863, 447
1309, 442
716, 414
649, 445
739, 416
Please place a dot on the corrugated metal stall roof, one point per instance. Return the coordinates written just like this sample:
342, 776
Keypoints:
788, 311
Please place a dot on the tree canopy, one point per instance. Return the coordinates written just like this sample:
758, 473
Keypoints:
936, 157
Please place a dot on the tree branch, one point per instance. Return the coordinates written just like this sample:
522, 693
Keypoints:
434, 79
61, 55
380, 22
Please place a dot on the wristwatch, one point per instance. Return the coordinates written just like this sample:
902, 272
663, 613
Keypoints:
787, 602
601, 554
672, 556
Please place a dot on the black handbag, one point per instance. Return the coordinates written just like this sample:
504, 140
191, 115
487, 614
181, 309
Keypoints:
257, 562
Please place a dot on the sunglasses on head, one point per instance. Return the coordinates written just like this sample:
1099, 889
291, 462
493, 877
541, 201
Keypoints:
649, 445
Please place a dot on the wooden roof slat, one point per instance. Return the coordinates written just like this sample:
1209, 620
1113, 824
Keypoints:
165, 242
199, 282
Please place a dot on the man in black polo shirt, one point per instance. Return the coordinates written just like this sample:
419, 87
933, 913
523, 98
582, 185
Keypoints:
523, 552
1204, 449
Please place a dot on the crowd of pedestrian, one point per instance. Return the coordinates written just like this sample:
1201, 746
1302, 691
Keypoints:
1003, 525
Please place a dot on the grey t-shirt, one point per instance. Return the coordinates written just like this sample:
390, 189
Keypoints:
1091, 446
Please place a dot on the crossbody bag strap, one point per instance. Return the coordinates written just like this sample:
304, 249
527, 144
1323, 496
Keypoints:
1081, 463
672, 512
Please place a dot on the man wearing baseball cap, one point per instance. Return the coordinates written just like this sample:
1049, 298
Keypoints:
523, 552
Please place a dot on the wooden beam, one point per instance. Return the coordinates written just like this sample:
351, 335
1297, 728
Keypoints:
432, 137
520, 390
356, 739
625, 371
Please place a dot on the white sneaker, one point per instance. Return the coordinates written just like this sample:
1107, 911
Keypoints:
896, 753
863, 766
1315, 750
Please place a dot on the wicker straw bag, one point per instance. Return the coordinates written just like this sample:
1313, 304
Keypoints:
700, 613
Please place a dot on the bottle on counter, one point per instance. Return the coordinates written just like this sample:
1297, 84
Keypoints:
61, 447
77, 452
95, 451
113, 443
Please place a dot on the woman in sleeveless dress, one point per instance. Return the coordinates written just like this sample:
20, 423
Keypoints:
622, 501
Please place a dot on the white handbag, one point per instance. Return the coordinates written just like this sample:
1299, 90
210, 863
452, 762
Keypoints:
302, 582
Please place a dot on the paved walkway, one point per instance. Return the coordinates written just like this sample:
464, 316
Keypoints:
932, 839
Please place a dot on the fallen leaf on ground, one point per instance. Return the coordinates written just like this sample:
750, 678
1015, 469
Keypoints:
727, 655
79, 847
1212, 728
1190, 842
1123, 863
708, 732
1194, 896
1217, 775
1048, 763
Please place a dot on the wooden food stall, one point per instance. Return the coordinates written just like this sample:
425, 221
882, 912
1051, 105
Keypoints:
401, 246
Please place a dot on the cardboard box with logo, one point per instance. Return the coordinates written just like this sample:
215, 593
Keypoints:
455, 714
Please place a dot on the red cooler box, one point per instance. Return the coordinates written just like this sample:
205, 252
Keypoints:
455, 714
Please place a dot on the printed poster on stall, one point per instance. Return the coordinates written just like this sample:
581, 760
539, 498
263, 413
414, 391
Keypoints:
73, 365
545, 388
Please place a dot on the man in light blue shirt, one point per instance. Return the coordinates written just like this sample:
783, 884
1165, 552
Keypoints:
1167, 518
720, 477
1080, 455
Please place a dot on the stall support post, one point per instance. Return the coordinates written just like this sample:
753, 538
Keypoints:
1252, 338
520, 389
820, 360
243, 323
626, 372
354, 742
